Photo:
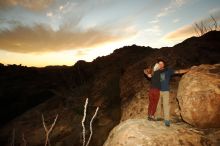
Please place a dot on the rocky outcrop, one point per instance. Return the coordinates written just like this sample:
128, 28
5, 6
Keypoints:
140, 132
199, 96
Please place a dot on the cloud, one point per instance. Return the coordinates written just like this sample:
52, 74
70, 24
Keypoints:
29, 4
154, 21
69, 7
214, 11
164, 12
180, 2
61, 7
49, 14
176, 20
189, 30
42, 38
155, 30
180, 34
6, 22
174, 4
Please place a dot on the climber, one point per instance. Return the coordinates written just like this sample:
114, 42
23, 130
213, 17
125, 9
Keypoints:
165, 75
154, 92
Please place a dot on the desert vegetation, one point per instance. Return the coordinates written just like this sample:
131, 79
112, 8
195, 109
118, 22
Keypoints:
48, 130
205, 26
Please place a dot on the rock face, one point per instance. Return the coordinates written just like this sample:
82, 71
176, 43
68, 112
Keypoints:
199, 96
140, 132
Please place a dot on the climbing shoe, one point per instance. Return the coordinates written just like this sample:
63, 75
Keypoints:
167, 123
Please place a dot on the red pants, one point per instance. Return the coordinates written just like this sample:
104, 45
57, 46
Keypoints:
154, 95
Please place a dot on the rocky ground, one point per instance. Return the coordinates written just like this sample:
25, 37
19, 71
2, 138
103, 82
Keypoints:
142, 132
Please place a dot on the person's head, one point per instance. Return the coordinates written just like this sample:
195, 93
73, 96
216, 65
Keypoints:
161, 63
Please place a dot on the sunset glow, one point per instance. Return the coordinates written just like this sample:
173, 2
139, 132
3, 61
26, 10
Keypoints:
60, 32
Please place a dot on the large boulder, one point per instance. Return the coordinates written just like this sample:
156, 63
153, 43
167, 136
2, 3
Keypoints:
140, 132
199, 96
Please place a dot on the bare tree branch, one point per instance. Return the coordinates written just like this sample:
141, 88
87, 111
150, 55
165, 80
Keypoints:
47, 132
215, 23
195, 29
83, 122
202, 27
90, 126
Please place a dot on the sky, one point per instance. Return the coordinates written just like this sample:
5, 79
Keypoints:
61, 32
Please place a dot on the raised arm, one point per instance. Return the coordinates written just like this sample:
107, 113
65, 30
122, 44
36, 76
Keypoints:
181, 71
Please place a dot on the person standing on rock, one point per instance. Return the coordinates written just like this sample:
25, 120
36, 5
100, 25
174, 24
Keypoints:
154, 92
165, 75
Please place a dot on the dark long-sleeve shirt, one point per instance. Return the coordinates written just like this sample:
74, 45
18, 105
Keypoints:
155, 80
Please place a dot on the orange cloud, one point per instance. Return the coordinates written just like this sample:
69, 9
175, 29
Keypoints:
180, 34
189, 30
30, 4
41, 38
